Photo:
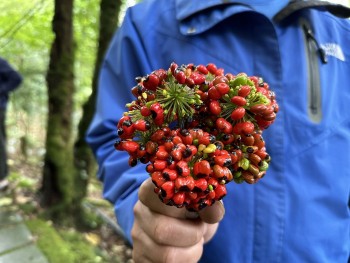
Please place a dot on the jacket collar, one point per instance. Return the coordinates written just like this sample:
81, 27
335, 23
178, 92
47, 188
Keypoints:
196, 17
185, 8
295, 5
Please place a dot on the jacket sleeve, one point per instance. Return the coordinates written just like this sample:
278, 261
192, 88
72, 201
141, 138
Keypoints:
10, 79
124, 61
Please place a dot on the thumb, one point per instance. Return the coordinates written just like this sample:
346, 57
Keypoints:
213, 214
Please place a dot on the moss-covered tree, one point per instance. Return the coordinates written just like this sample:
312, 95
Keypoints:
83, 158
58, 173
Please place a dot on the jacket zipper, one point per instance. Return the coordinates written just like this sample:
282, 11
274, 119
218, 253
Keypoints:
314, 52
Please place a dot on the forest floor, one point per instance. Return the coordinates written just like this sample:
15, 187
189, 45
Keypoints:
101, 243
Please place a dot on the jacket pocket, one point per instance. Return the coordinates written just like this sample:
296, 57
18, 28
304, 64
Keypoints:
313, 53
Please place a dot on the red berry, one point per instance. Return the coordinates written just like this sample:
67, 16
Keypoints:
182, 168
173, 67
244, 91
220, 79
118, 145
167, 190
142, 125
234, 157
215, 107
258, 108
151, 82
262, 123
185, 184
224, 125
255, 80
211, 67
197, 78
206, 139
132, 161
213, 182
243, 127
159, 165
214, 94
158, 136
157, 178
220, 72
238, 113
220, 191
262, 154
202, 69
145, 111
186, 136
202, 169
179, 198
200, 185
180, 76
157, 113
161, 153
254, 158
137, 90
222, 88
151, 147
169, 174
247, 139
238, 100
130, 146
161, 73
223, 160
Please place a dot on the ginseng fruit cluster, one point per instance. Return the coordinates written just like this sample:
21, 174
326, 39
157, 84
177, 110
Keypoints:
197, 128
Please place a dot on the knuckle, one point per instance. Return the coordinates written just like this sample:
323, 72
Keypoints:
138, 210
135, 232
176, 254
171, 255
163, 233
166, 233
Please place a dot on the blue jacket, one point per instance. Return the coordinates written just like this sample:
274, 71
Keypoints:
10, 79
299, 212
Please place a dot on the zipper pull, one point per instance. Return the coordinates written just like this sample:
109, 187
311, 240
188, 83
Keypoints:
320, 50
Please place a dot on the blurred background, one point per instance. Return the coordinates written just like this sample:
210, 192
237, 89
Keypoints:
57, 46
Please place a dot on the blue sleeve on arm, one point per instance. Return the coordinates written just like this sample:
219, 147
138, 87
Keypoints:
124, 61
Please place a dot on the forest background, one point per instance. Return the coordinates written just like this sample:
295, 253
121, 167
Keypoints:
58, 46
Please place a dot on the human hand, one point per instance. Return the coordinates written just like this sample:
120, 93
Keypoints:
168, 234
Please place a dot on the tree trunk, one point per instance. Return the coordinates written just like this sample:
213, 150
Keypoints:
83, 159
58, 174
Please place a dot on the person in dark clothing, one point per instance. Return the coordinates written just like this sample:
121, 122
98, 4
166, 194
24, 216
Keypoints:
10, 79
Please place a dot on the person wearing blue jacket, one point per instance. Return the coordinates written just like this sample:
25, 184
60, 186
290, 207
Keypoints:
10, 79
299, 212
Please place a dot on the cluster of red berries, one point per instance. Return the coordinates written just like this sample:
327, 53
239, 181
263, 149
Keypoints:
197, 129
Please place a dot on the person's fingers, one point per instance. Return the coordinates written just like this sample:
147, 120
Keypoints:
165, 230
145, 250
152, 201
213, 214
163, 233
210, 230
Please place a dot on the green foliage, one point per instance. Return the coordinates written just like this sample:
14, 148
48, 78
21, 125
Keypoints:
63, 244
25, 39
50, 242
25, 34
86, 15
